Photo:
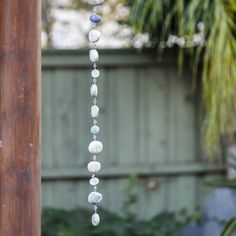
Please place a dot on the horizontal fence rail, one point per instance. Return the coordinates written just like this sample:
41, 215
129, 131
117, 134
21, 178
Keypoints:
110, 57
113, 172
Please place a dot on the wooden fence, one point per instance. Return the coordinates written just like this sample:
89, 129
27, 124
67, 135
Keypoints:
149, 126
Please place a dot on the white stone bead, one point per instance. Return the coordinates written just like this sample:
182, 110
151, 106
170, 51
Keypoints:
94, 166
93, 55
94, 36
94, 90
94, 111
94, 198
95, 2
95, 73
95, 219
94, 181
95, 129
95, 147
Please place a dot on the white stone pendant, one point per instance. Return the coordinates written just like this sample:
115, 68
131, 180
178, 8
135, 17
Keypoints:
95, 2
94, 181
94, 111
95, 219
95, 73
95, 147
94, 198
94, 166
94, 90
93, 55
94, 36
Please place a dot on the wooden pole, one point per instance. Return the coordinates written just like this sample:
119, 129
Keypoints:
19, 118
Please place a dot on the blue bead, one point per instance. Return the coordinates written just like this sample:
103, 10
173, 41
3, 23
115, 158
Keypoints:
95, 18
95, 129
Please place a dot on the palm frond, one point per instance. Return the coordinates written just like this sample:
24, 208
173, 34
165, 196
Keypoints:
229, 228
164, 17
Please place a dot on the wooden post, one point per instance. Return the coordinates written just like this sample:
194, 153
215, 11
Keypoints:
19, 118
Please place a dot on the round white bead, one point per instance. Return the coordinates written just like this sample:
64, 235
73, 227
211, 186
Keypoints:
94, 166
95, 147
95, 219
95, 2
94, 90
94, 36
93, 55
94, 198
94, 111
95, 73
94, 181
95, 129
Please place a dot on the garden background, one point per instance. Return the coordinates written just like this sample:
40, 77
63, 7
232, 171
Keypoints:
166, 118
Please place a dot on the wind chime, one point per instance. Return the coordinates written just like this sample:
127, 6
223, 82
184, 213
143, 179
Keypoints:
95, 146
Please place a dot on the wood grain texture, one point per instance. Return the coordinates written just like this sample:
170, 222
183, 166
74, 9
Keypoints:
19, 118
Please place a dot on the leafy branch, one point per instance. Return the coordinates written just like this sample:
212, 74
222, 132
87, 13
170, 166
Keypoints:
215, 61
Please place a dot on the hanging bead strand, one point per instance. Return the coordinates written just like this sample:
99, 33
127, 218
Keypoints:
95, 147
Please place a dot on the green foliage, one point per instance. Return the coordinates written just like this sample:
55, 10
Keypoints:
128, 207
216, 62
56, 222
229, 183
229, 228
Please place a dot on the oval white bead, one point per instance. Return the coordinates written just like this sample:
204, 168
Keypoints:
94, 181
94, 111
94, 198
95, 147
95, 73
94, 166
94, 36
95, 219
94, 90
93, 55
95, 129
95, 2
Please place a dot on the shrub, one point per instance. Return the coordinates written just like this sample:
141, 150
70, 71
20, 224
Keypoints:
58, 222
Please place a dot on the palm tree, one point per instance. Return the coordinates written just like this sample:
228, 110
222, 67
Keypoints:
217, 58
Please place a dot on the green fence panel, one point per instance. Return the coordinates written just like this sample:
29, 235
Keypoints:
149, 125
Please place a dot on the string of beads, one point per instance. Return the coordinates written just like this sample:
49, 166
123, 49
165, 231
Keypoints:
95, 146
